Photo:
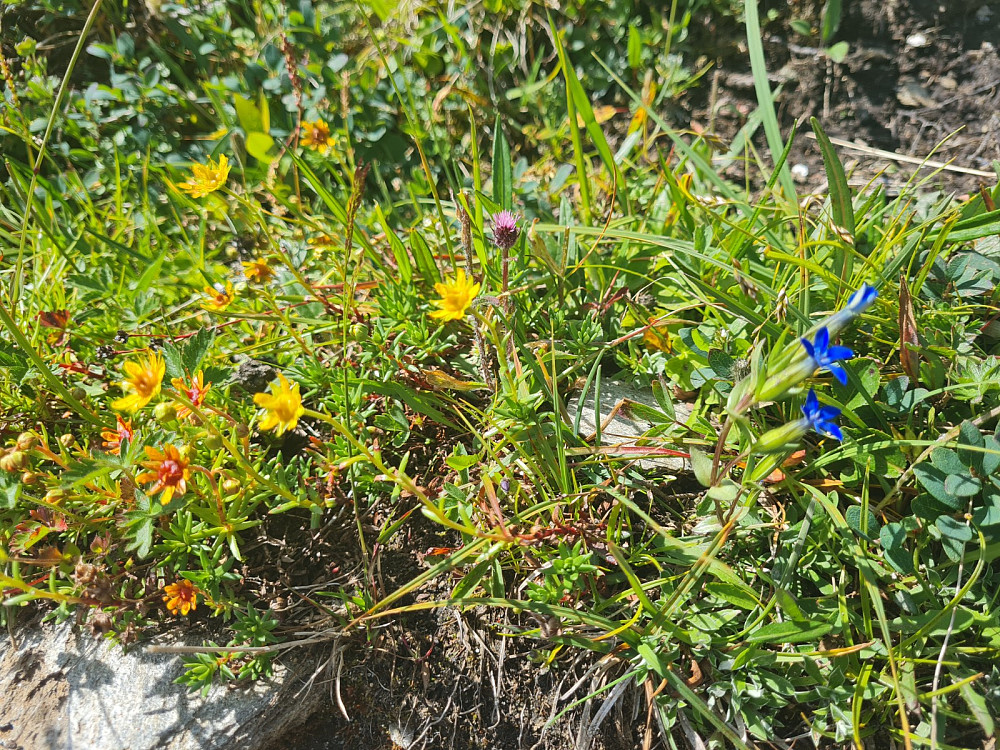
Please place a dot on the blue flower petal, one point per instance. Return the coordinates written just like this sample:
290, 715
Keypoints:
809, 348
822, 339
838, 372
839, 352
829, 428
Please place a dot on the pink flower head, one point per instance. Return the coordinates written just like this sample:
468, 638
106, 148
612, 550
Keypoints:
505, 229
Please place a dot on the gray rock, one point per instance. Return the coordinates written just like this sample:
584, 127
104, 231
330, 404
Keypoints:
66, 689
625, 429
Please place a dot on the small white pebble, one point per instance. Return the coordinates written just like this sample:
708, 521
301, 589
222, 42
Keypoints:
983, 14
917, 40
800, 172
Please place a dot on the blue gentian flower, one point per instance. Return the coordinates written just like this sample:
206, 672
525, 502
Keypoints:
857, 303
820, 417
861, 299
824, 355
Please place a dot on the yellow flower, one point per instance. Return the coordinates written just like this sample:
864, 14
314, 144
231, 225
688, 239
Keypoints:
144, 378
113, 439
456, 296
259, 271
316, 135
206, 178
283, 405
169, 469
195, 392
219, 297
181, 597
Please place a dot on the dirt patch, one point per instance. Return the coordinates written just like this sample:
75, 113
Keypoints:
920, 77
444, 678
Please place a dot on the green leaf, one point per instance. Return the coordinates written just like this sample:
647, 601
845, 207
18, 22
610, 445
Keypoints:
503, 180
954, 536
933, 480
173, 361
893, 539
840, 193
991, 455
853, 517
738, 596
634, 47
10, 490
962, 485
831, 20
765, 100
790, 632
969, 437
423, 259
701, 465
721, 363
196, 349
259, 146
837, 52
460, 462
248, 115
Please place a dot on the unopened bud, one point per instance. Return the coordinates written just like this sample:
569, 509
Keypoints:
26, 441
29, 477
164, 412
67, 440
213, 442
231, 486
78, 393
55, 495
14, 461
242, 431
781, 438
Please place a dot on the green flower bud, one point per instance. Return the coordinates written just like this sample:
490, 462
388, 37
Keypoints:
781, 438
165, 412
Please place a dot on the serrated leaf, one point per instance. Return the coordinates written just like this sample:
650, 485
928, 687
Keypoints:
721, 363
173, 361
196, 349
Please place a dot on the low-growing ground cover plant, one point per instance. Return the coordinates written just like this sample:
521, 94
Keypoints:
249, 318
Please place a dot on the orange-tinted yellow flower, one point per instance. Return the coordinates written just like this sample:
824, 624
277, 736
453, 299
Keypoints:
206, 178
456, 296
181, 597
219, 297
259, 271
113, 439
169, 469
195, 392
143, 383
316, 135
283, 405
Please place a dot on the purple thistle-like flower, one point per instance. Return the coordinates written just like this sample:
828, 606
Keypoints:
505, 229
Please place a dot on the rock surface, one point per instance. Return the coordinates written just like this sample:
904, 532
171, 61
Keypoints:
623, 427
65, 689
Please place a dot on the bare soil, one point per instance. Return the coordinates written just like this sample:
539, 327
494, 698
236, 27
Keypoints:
921, 78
